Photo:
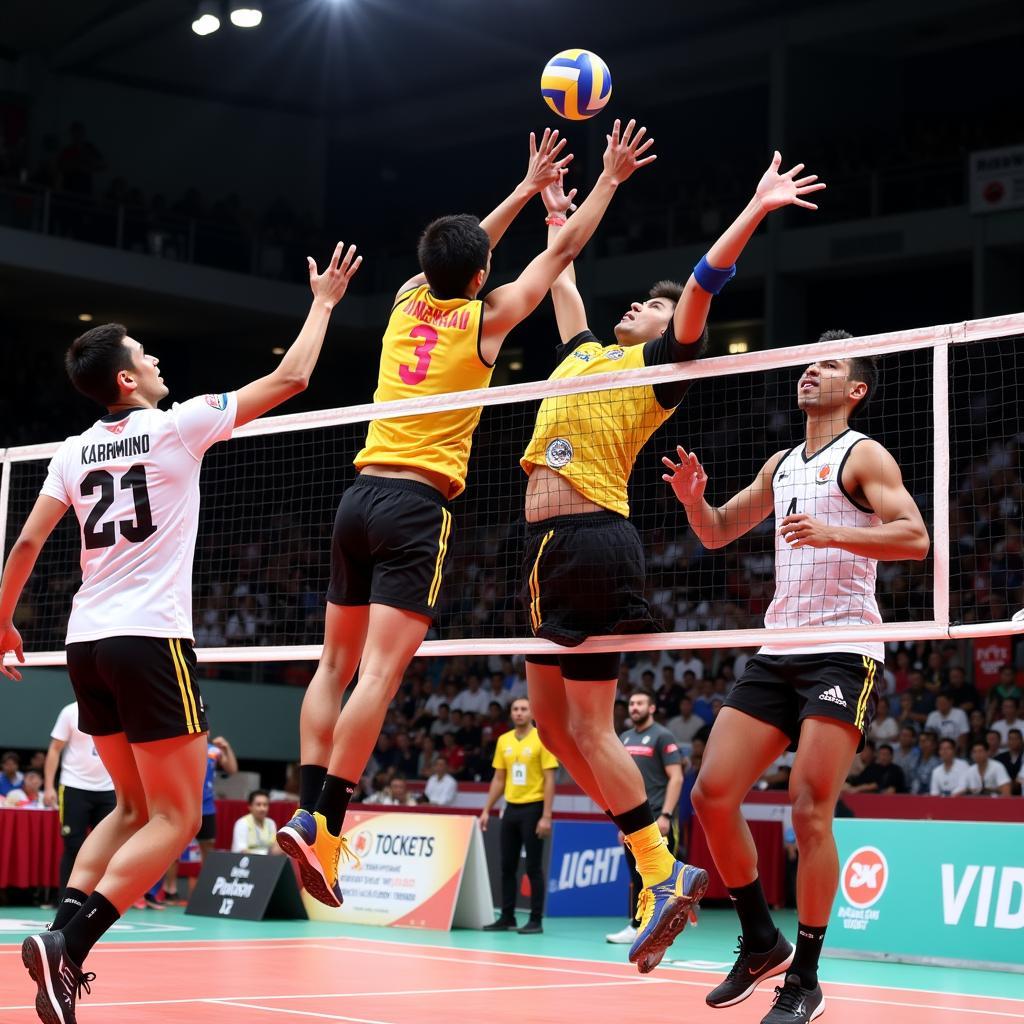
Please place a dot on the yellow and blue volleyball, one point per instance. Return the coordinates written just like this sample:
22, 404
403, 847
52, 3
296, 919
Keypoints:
576, 84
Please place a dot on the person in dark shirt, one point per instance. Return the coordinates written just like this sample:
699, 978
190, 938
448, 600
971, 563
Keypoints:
1012, 759
880, 774
962, 693
923, 703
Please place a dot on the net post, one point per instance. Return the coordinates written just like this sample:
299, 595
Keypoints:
5, 496
940, 501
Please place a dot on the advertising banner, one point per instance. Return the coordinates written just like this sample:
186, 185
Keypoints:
991, 653
997, 179
588, 875
945, 892
246, 888
413, 871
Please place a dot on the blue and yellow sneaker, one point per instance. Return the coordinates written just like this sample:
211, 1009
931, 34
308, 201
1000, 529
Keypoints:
306, 840
664, 910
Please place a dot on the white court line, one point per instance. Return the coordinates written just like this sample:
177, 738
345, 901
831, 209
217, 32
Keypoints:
924, 1006
297, 1013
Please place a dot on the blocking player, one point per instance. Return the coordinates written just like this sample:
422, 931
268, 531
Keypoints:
133, 481
394, 524
840, 507
584, 564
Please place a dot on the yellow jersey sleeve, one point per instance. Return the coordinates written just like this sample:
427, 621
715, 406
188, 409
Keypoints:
547, 759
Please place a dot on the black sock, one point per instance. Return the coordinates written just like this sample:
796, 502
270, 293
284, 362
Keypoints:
70, 904
634, 820
759, 931
311, 781
808, 951
333, 802
86, 928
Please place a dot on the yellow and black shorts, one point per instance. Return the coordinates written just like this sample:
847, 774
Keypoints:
389, 546
784, 689
583, 576
143, 686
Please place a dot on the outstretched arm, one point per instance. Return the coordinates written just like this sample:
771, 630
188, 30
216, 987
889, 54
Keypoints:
570, 313
510, 304
773, 192
297, 364
716, 527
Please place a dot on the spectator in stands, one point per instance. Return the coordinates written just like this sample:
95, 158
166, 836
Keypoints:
453, 754
384, 753
950, 778
620, 714
497, 691
441, 788
891, 777
948, 721
994, 742
934, 672
1005, 687
1012, 758
472, 700
79, 161
443, 723
428, 755
907, 754
962, 693
976, 731
395, 794
777, 775
689, 662
256, 831
923, 702
406, 758
986, 777
921, 780
702, 701
1010, 720
686, 724
878, 774
10, 776
884, 728
906, 716
37, 762
29, 795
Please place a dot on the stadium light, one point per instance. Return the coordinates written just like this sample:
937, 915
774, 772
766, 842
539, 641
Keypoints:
207, 18
246, 13
738, 345
86, 318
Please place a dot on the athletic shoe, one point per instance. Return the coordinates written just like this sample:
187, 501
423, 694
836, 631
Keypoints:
503, 924
308, 842
795, 1005
749, 970
664, 910
139, 904
60, 982
531, 928
624, 938
155, 902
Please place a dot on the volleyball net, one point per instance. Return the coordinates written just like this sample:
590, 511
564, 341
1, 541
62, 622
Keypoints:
946, 406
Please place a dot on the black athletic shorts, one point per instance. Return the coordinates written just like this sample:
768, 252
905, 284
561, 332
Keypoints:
208, 830
389, 545
783, 690
583, 576
143, 686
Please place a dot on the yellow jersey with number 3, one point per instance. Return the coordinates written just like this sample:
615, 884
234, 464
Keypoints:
431, 346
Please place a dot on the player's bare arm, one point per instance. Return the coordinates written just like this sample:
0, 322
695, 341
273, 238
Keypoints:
512, 303
297, 364
872, 476
43, 519
716, 527
570, 313
774, 191
546, 165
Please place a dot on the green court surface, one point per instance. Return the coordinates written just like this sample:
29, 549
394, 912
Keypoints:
708, 947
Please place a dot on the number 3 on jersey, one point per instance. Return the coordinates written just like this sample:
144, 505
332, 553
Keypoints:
418, 374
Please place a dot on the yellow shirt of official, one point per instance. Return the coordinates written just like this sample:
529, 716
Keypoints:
524, 761
431, 346
593, 438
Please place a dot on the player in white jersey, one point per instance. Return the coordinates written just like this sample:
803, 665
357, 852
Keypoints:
133, 481
840, 506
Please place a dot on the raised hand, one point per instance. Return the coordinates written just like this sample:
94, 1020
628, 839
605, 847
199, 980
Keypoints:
556, 200
687, 479
775, 190
625, 154
10, 642
545, 167
330, 286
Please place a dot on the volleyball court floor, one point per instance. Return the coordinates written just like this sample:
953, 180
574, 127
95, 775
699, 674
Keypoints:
167, 967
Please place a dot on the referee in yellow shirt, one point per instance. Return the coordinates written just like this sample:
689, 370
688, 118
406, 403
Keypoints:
524, 771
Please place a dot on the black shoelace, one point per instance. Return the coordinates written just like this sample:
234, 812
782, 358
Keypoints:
84, 981
789, 998
741, 959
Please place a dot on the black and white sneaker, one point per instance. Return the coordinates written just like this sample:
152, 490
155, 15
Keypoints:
750, 970
60, 981
795, 1005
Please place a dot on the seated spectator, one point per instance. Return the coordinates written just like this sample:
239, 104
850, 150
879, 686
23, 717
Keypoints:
443, 723
962, 693
385, 753
947, 721
921, 781
994, 742
986, 777
777, 775
1005, 687
37, 762
406, 758
950, 778
395, 794
884, 728
1010, 720
497, 691
922, 703
686, 724
878, 773
10, 777
907, 754
702, 701
290, 792
1012, 759
428, 754
472, 699
441, 788
976, 732
29, 795
256, 832
690, 662
906, 716
454, 754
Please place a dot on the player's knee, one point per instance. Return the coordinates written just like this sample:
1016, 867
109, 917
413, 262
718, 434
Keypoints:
812, 816
553, 738
134, 813
708, 797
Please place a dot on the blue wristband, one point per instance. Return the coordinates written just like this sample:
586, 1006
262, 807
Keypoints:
713, 279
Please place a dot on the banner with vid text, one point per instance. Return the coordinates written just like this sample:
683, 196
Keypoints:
413, 871
947, 892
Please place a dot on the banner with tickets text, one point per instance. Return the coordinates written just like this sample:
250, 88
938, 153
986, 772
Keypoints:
940, 892
413, 871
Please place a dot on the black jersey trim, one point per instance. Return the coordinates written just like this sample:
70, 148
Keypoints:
775, 472
403, 295
479, 341
807, 458
114, 417
839, 480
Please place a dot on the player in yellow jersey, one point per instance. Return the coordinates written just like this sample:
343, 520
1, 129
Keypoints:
584, 563
394, 524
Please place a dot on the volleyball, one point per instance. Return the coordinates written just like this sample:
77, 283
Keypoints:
576, 84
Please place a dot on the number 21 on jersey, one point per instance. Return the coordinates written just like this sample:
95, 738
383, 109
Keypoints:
418, 373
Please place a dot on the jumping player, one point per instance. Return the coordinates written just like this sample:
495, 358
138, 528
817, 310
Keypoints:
840, 506
394, 524
584, 564
133, 480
